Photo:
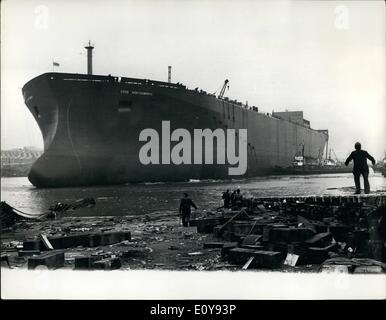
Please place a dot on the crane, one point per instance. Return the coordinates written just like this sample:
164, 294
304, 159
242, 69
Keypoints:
223, 89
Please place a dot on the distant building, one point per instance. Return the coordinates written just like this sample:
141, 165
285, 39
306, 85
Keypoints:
292, 116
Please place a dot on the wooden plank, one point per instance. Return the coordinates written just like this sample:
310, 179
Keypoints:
46, 242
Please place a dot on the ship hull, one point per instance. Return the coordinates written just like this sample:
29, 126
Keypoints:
91, 127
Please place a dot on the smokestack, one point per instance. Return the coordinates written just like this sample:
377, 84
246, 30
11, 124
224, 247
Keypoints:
169, 74
89, 57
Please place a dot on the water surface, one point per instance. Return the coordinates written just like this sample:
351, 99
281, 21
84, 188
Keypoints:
147, 198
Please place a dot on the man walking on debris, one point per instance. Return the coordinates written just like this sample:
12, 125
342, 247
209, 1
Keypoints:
360, 167
185, 207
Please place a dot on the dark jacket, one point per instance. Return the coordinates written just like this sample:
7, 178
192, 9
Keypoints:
360, 160
185, 205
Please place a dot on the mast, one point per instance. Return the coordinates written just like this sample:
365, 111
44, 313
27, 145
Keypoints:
89, 49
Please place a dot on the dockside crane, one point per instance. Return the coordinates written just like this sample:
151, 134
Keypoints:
220, 96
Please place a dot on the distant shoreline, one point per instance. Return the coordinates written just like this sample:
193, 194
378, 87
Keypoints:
15, 170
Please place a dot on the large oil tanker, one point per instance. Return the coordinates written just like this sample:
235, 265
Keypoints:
91, 126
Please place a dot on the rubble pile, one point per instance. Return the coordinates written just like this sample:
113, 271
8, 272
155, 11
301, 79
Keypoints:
288, 234
269, 233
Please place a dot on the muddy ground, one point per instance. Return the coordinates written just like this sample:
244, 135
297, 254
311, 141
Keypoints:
160, 242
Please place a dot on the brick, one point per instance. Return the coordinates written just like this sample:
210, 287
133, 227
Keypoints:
289, 234
320, 239
51, 259
208, 245
28, 253
262, 259
108, 264
368, 269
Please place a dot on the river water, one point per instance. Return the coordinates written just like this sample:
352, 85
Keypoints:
154, 198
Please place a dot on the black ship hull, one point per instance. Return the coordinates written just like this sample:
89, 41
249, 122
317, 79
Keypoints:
91, 124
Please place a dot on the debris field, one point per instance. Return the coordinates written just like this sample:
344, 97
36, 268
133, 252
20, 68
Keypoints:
284, 234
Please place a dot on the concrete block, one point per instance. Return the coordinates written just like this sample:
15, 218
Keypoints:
289, 234
252, 239
217, 231
70, 241
84, 263
247, 227
299, 249
262, 259
226, 247
51, 259
368, 269
112, 237
133, 253
281, 247
208, 245
336, 268
95, 240
266, 231
87, 262
28, 253
89, 239
36, 245
231, 236
108, 264
207, 225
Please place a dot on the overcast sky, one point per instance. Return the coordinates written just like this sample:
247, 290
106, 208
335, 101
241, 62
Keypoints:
326, 58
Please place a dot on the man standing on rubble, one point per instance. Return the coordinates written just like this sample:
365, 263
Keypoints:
360, 167
227, 199
185, 209
238, 198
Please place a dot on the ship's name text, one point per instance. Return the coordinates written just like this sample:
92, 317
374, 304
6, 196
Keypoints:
224, 141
